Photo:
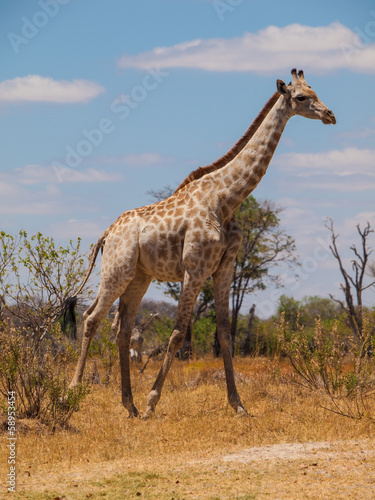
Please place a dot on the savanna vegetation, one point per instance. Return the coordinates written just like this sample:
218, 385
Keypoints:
305, 375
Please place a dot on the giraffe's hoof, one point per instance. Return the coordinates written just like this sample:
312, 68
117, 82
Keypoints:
241, 412
74, 383
133, 415
133, 412
149, 413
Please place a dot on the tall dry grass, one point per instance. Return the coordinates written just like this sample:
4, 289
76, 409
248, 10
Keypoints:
192, 417
193, 423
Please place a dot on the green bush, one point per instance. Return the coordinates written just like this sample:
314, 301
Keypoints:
105, 348
37, 373
263, 340
160, 331
340, 369
204, 335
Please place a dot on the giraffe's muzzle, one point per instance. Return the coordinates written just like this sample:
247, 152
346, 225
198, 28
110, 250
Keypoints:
329, 118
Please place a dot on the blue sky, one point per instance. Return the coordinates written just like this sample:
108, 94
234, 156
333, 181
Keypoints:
103, 101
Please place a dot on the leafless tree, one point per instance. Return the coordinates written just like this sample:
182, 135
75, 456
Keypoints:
354, 283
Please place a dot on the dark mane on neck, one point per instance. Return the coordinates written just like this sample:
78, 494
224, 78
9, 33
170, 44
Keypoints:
240, 144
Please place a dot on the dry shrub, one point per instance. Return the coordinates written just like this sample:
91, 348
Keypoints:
37, 374
341, 371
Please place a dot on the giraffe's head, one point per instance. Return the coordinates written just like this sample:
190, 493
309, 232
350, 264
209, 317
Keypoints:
302, 100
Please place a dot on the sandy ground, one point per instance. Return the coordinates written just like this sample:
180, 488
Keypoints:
337, 470
301, 451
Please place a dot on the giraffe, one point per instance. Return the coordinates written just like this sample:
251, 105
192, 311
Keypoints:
188, 237
136, 339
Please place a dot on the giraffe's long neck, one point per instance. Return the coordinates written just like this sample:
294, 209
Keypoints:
241, 175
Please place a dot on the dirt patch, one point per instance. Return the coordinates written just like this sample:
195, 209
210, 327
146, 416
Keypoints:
300, 451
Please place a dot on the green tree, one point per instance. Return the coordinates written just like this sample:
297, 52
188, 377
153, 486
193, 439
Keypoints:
319, 307
264, 246
291, 310
36, 278
306, 311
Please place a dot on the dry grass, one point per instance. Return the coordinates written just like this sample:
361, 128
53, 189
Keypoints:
185, 451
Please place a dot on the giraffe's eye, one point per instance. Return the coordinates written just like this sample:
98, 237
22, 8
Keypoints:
301, 98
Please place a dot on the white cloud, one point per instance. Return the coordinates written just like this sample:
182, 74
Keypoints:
355, 134
287, 203
38, 174
343, 163
322, 48
35, 88
16, 199
146, 159
303, 223
83, 228
36, 190
348, 226
349, 184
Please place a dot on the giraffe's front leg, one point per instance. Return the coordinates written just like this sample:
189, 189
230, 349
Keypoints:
188, 296
222, 280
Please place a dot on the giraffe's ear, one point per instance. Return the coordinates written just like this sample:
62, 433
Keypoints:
281, 87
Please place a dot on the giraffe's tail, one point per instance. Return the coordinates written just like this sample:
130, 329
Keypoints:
68, 307
94, 253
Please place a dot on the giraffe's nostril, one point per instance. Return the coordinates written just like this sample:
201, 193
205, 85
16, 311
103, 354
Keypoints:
329, 117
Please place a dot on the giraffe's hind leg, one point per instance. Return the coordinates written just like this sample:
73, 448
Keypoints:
88, 311
114, 281
92, 318
128, 308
